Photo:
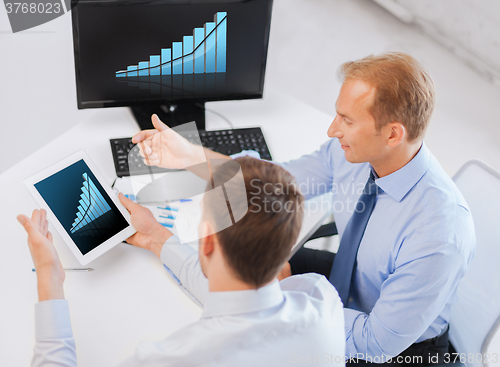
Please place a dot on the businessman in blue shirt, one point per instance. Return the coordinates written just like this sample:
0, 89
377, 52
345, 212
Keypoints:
419, 239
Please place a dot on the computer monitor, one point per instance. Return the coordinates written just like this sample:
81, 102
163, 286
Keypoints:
169, 56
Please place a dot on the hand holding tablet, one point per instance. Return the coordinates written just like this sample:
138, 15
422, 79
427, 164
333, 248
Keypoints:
150, 235
81, 206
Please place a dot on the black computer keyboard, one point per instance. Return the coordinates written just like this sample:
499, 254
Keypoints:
128, 161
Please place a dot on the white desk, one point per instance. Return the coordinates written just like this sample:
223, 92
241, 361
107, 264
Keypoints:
129, 297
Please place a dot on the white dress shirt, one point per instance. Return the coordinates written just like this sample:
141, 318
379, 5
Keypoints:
298, 320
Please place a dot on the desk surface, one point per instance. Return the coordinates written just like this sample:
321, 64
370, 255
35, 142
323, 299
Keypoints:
129, 297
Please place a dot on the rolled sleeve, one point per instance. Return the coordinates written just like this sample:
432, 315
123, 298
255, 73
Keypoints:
410, 300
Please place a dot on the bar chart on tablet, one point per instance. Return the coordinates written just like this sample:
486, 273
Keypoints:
89, 216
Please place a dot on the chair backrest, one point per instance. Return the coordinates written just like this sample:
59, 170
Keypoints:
475, 317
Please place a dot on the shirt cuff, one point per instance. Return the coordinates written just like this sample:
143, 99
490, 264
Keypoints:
174, 254
350, 317
244, 153
52, 320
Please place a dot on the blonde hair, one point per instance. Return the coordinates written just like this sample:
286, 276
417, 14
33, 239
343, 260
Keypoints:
404, 90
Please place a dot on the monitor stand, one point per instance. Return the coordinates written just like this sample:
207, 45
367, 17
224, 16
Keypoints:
171, 114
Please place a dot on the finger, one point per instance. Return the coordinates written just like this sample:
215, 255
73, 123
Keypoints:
143, 135
29, 226
131, 240
43, 222
158, 124
45, 228
146, 149
127, 203
35, 218
151, 159
49, 236
141, 150
150, 162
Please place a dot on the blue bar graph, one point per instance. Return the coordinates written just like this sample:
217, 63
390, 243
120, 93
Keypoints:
199, 53
154, 63
166, 58
100, 199
167, 216
221, 35
177, 58
134, 67
143, 68
92, 206
210, 48
203, 52
188, 54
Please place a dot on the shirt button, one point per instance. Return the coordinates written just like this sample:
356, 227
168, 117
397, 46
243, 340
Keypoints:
351, 299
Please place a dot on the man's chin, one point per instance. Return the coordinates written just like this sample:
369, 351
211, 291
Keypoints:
349, 158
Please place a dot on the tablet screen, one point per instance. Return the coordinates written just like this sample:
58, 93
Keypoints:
81, 205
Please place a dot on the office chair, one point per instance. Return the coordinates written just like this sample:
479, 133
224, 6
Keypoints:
326, 230
475, 317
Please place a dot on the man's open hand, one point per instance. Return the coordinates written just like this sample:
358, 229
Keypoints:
150, 234
49, 271
163, 147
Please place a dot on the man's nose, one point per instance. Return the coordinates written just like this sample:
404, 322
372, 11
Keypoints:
333, 130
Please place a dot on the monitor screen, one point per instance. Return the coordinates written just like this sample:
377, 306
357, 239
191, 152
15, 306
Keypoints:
131, 52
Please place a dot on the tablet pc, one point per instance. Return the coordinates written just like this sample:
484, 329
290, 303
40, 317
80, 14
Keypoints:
81, 206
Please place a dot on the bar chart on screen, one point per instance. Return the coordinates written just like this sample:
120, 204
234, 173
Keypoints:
203, 52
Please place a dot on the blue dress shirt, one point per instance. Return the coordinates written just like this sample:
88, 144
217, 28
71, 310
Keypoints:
417, 246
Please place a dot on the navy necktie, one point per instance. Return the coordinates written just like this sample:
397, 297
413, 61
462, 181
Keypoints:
343, 265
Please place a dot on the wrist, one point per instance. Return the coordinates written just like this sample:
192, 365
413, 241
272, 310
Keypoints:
49, 285
159, 239
198, 156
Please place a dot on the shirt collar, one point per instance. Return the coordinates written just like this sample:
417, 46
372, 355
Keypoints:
241, 302
399, 183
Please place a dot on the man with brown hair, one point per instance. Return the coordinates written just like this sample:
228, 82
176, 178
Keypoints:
407, 236
249, 317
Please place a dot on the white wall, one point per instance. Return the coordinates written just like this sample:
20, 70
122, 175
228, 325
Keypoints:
469, 28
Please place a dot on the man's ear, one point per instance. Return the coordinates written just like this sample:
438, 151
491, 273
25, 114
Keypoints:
206, 242
396, 133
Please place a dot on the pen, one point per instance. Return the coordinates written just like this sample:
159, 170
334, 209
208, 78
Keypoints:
71, 269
